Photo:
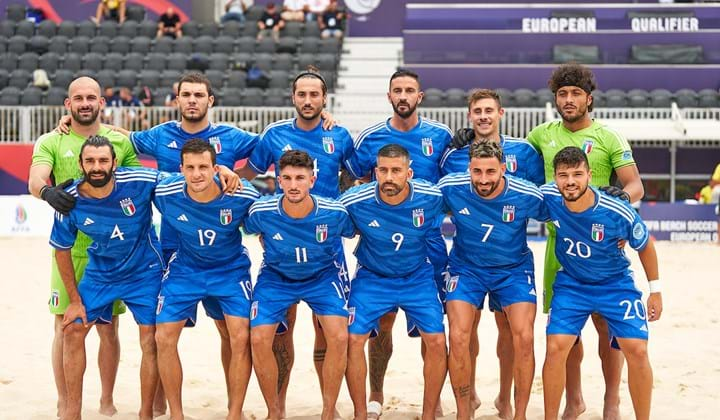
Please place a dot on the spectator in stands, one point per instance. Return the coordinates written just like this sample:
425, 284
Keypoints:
132, 119
110, 98
270, 23
169, 24
111, 9
171, 98
145, 96
316, 9
331, 21
235, 10
265, 183
295, 10
710, 194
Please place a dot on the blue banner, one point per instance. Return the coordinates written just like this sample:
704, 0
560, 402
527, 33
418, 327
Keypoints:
681, 222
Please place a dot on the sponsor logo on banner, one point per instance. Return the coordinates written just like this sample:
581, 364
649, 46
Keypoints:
508, 214
254, 310
362, 7
128, 207
418, 217
511, 163
215, 143
452, 283
328, 145
587, 146
225, 216
598, 232
351, 315
20, 214
55, 298
321, 233
427, 146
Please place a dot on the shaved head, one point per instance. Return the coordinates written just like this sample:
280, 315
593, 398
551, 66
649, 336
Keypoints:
83, 82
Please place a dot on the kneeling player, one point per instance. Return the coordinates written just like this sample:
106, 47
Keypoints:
596, 278
210, 262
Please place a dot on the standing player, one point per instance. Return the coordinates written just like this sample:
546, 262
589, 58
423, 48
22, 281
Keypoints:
210, 262
55, 158
607, 152
425, 140
114, 208
299, 232
328, 149
596, 278
521, 160
394, 215
490, 255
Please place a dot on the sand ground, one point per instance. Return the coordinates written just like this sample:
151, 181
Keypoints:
684, 351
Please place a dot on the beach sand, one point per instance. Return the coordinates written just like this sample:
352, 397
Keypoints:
684, 351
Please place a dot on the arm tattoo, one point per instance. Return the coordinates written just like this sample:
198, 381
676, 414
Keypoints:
380, 349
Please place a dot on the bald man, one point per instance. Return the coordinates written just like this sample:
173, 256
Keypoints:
55, 159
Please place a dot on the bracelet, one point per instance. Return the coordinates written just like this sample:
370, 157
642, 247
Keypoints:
42, 190
655, 286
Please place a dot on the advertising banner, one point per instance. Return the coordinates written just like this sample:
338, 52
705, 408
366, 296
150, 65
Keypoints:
681, 222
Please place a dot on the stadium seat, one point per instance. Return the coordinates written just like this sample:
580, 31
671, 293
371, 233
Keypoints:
330, 46
210, 29
191, 29
232, 28
543, 96
72, 61
284, 62
80, 45
20, 78
10, 96
126, 78
638, 98
58, 44
134, 61
61, 80
86, 28
92, 61
49, 62
236, 79
265, 45
147, 28
7, 28
15, 12
686, 98
114, 61
250, 30
129, 28
263, 61
305, 59
56, 95
38, 44
252, 97
17, 44
294, 29
163, 45
598, 99
216, 77
219, 61
203, 44
67, 28
85, 73
309, 45
4, 77
170, 76
100, 45
3, 44
279, 79
312, 30
150, 78
224, 44
433, 101
155, 61
141, 44
8, 61
25, 28
106, 78
584, 54
176, 61
287, 45
708, 98
524, 98
615, 98
660, 98
31, 96
245, 44
275, 101
120, 44
28, 61
46, 28
326, 62
135, 13
232, 97
666, 54
109, 28
434, 92
183, 45
254, 13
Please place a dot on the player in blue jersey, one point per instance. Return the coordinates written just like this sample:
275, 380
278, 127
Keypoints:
394, 215
596, 278
329, 149
425, 140
210, 262
521, 160
490, 255
113, 207
299, 232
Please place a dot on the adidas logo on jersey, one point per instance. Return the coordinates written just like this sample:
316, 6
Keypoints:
277, 237
88, 221
556, 223
465, 211
69, 153
532, 292
643, 328
287, 148
374, 223
182, 218
172, 145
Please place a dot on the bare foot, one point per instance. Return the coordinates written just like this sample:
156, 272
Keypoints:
107, 408
337, 415
573, 410
439, 411
505, 409
611, 411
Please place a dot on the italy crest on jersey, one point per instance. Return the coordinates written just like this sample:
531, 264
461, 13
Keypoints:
254, 310
598, 232
427, 146
511, 163
215, 143
321, 233
351, 315
418, 217
452, 283
55, 298
128, 207
328, 145
587, 146
508, 214
225, 216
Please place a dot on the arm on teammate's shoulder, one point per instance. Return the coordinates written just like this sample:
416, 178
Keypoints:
39, 175
229, 179
629, 177
119, 129
246, 172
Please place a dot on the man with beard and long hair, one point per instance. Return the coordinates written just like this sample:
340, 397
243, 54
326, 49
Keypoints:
54, 160
596, 278
394, 215
329, 149
299, 232
490, 255
608, 153
425, 140
113, 207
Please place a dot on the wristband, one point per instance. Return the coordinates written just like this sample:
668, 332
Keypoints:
655, 286
42, 191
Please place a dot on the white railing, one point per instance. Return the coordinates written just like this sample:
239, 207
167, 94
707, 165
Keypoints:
26, 124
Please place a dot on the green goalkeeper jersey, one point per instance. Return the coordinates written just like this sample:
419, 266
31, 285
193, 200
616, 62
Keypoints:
62, 153
605, 148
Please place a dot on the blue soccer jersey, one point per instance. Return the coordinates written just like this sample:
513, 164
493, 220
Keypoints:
299, 249
393, 237
124, 244
209, 233
425, 143
586, 244
491, 233
328, 148
520, 157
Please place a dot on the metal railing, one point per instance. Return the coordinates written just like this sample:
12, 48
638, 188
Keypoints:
25, 124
